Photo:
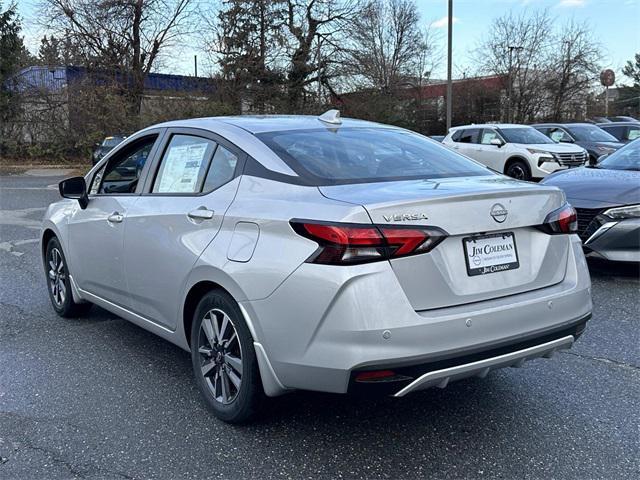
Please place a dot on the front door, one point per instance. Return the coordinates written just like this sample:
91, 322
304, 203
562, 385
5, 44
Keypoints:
96, 234
490, 155
177, 216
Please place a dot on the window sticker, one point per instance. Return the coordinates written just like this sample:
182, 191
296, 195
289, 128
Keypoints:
181, 168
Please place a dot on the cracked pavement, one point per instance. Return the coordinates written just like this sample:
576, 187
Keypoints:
98, 397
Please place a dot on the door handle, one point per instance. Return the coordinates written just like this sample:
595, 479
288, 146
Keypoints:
201, 213
115, 217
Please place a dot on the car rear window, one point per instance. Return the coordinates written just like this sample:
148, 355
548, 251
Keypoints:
357, 155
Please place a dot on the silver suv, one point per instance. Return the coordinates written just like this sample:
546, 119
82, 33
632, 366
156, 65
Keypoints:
317, 253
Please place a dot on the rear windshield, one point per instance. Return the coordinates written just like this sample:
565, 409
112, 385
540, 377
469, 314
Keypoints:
356, 155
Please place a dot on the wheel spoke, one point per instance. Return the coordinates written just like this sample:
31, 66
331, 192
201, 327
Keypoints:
63, 291
223, 328
52, 265
225, 386
234, 362
205, 351
207, 367
208, 330
235, 379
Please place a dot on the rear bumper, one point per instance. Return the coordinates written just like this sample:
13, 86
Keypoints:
321, 326
480, 368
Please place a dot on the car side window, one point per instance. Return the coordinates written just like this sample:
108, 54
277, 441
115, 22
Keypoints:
469, 135
122, 172
488, 135
559, 135
633, 133
222, 169
184, 165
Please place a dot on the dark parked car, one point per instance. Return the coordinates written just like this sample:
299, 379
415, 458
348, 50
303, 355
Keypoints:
607, 199
625, 132
592, 138
101, 149
623, 119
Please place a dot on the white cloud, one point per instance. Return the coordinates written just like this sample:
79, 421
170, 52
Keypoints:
443, 22
572, 3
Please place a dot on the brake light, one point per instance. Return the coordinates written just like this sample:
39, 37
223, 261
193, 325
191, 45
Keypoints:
562, 220
340, 244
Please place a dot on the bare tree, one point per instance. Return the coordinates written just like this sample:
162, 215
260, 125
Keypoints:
517, 48
314, 29
121, 34
575, 65
387, 47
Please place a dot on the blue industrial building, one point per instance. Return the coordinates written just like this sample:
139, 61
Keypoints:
57, 78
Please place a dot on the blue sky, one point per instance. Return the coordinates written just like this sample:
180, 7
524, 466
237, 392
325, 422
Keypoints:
615, 24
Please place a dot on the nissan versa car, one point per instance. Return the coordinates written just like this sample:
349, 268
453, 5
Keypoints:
607, 199
315, 253
518, 151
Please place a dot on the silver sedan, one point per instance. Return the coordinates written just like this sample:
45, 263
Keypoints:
317, 253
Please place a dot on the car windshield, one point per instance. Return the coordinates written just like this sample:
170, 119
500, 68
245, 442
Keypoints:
358, 155
588, 133
627, 158
525, 135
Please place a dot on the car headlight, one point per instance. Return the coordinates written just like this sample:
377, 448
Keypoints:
541, 152
619, 213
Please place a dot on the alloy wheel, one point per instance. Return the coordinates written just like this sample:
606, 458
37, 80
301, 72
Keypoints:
57, 277
220, 356
517, 172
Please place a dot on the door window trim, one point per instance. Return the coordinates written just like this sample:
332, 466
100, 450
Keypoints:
154, 167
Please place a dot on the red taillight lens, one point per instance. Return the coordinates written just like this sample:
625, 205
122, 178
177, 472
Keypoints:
562, 220
341, 244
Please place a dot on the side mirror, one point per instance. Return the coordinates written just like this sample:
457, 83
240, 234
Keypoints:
76, 189
497, 142
595, 161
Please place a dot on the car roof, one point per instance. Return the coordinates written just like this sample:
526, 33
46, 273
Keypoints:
271, 123
621, 124
568, 124
490, 125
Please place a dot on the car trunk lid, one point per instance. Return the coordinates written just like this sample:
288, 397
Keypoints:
466, 208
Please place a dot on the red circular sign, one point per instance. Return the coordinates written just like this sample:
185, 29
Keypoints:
607, 77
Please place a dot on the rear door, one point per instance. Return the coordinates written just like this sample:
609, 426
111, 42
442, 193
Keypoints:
96, 233
189, 189
467, 142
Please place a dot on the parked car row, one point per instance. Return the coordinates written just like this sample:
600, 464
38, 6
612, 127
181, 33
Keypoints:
531, 152
519, 151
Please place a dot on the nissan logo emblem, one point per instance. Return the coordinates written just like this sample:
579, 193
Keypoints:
499, 213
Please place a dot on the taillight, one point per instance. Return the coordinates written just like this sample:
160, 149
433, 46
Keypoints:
344, 243
562, 220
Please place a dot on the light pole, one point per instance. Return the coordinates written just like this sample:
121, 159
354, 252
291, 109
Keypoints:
449, 85
509, 109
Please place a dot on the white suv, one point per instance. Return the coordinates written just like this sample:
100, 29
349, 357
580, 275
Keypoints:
519, 151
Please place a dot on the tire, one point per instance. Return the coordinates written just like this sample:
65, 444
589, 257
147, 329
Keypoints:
518, 170
59, 284
224, 359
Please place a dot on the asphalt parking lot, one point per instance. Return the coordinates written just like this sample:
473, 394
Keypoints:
98, 397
